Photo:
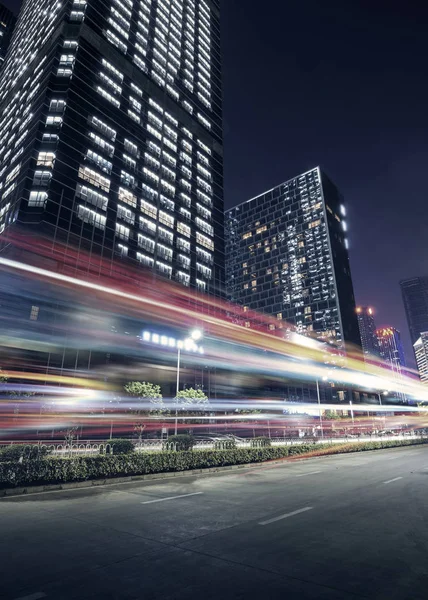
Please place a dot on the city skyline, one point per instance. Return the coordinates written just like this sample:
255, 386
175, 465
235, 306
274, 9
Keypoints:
362, 140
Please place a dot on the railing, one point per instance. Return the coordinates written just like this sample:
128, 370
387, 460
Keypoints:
89, 448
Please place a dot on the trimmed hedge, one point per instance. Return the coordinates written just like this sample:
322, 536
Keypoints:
60, 470
26, 451
118, 446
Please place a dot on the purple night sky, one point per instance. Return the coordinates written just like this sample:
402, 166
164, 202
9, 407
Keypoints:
342, 85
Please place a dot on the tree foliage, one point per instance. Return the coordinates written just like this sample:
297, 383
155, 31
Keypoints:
191, 397
147, 391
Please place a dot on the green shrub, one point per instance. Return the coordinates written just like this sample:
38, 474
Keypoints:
27, 451
261, 442
53, 470
117, 446
182, 441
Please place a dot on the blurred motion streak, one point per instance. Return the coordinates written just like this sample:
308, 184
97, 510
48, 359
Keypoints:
91, 312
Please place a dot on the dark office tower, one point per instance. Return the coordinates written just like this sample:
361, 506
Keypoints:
7, 24
421, 352
111, 132
366, 324
415, 298
286, 255
391, 348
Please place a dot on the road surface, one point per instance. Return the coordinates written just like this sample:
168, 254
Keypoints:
338, 528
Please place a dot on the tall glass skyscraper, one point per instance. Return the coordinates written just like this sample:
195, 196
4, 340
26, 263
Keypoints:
366, 324
421, 353
111, 132
392, 352
287, 255
415, 298
7, 24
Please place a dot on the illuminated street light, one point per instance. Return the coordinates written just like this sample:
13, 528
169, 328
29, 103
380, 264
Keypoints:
196, 335
188, 344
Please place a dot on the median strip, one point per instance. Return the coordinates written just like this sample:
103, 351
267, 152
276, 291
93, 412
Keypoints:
295, 512
172, 498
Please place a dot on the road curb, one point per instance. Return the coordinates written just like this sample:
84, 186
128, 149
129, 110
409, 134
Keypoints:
91, 483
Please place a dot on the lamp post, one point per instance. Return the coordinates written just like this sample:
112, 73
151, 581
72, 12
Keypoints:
188, 343
319, 407
379, 395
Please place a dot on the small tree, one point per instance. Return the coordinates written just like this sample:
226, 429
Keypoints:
192, 397
191, 402
139, 428
147, 391
70, 434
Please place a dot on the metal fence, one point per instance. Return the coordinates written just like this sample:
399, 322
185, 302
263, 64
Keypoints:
91, 447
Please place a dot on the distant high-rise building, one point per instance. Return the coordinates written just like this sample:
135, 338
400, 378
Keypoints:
391, 347
7, 24
111, 132
366, 324
421, 352
415, 298
287, 255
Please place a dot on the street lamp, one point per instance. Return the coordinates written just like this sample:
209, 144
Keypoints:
379, 395
188, 344
319, 406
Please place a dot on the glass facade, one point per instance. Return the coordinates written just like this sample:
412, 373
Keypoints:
391, 348
415, 298
111, 132
286, 255
421, 353
366, 324
7, 24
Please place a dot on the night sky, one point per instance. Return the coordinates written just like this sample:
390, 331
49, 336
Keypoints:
342, 85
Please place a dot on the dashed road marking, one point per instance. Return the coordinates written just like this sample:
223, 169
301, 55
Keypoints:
391, 480
311, 473
171, 498
295, 512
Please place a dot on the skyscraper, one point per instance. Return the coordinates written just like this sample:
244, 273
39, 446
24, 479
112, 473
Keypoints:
366, 324
421, 352
7, 24
391, 348
287, 255
111, 132
415, 298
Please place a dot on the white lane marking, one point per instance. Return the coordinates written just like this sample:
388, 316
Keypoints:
311, 473
391, 480
171, 498
34, 596
295, 512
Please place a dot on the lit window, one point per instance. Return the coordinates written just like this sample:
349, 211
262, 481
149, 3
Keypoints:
38, 199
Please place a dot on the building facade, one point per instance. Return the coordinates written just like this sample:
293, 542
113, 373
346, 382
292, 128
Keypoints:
391, 348
415, 298
111, 132
421, 352
367, 327
287, 255
7, 25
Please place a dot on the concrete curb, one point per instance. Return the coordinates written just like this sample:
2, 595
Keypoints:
91, 483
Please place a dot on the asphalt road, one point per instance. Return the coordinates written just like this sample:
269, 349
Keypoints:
337, 528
